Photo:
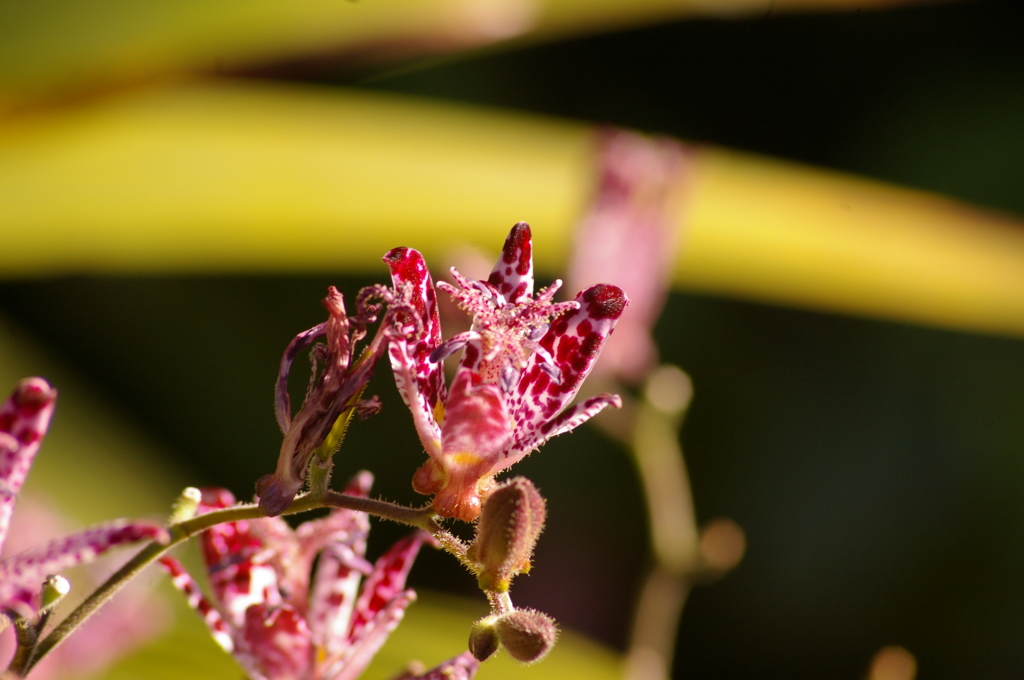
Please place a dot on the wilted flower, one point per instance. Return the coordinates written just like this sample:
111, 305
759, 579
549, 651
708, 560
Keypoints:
333, 394
522, 363
24, 420
280, 620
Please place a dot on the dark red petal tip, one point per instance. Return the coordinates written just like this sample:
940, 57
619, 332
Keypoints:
604, 301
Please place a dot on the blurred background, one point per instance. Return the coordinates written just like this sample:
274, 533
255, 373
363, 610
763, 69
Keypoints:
874, 461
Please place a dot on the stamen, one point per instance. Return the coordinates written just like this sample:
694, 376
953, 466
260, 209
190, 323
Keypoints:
539, 332
451, 346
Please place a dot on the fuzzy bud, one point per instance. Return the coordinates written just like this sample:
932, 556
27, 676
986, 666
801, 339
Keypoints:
527, 634
483, 638
510, 524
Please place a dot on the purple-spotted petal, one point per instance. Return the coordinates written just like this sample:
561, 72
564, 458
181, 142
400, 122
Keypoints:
567, 420
28, 569
237, 559
24, 420
573, 342
512, 276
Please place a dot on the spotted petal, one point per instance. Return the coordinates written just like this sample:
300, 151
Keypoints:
340, 569
26, 571
573, 343
387, 580
237, 561
420, 381
223, 634
24, 420
379, 610
353, 661
512, 275
279, 641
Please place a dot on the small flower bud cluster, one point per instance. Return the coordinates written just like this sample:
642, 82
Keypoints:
526, 634
510, 523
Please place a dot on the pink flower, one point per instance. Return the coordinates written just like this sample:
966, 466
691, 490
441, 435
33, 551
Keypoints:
522, 363
628, 234
280, 620
24, 420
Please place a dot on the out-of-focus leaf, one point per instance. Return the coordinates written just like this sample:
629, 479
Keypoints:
254, 177
795, 235
50, 48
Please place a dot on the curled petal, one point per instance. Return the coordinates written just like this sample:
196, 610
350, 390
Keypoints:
335, 396
282, 400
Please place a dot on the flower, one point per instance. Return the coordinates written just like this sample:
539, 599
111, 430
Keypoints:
24, 421
280, 620
523, 361
332, 397
628, 234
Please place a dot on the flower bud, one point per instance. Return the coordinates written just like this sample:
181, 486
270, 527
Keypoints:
54, 589
483, 638
527, 634
186, 505
512, 519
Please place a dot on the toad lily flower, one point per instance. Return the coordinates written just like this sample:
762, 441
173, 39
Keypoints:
278, 622
24, 420
523, 361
